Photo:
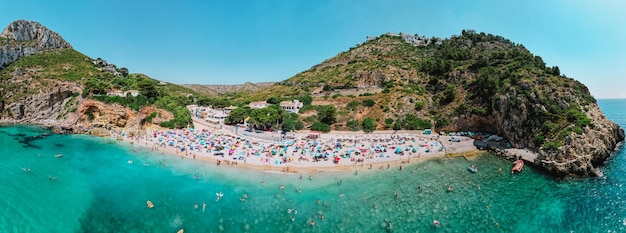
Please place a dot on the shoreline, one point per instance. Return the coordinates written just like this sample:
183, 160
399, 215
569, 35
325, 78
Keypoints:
393, 149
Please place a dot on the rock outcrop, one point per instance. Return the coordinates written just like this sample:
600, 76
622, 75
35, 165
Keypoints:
518, 120
32, 95
582, 154
23, 38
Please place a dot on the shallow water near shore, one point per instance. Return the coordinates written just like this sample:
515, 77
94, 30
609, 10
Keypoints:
93, 187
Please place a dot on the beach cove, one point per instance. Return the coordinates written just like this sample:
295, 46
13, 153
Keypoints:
103, 184
269, 151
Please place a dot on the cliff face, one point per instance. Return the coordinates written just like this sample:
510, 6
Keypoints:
579, 154
36, 93
23, 38
582, 154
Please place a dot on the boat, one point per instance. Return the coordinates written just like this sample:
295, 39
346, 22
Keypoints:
150, 205
58, 155
473, 168
518, 165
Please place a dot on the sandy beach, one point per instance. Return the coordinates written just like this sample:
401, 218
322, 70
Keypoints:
267, 151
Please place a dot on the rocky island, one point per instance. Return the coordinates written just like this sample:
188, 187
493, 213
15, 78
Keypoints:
470, 82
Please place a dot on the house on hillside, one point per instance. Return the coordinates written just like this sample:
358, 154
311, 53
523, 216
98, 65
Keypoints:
291, 106
100, 62
228, 109
133, 93
258, 104
116, 93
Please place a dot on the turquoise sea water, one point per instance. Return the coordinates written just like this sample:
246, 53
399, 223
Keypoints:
98, 190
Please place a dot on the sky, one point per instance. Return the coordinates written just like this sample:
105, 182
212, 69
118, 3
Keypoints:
232, 42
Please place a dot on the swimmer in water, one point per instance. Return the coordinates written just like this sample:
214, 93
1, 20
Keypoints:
436, 223
322, 217
312, 223
277, 195
203, 206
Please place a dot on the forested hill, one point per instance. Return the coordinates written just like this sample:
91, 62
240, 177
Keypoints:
469, 82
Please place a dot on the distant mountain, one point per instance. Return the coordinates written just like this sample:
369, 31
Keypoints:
217, 89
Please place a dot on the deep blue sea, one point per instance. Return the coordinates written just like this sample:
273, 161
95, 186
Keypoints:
94, 188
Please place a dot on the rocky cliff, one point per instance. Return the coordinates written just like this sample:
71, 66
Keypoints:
48, 88
23, 38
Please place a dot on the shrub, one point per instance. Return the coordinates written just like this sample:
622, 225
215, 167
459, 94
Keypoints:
419, 106
353, 125
368, 125
368, 102
319, 126
552, 145
150, 117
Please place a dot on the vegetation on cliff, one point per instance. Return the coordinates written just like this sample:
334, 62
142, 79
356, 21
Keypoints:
32, 74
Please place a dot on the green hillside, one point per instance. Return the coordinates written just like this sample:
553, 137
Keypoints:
399, 85
37, 72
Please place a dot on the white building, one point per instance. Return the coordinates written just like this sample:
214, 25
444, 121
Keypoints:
258, 104
291, 106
